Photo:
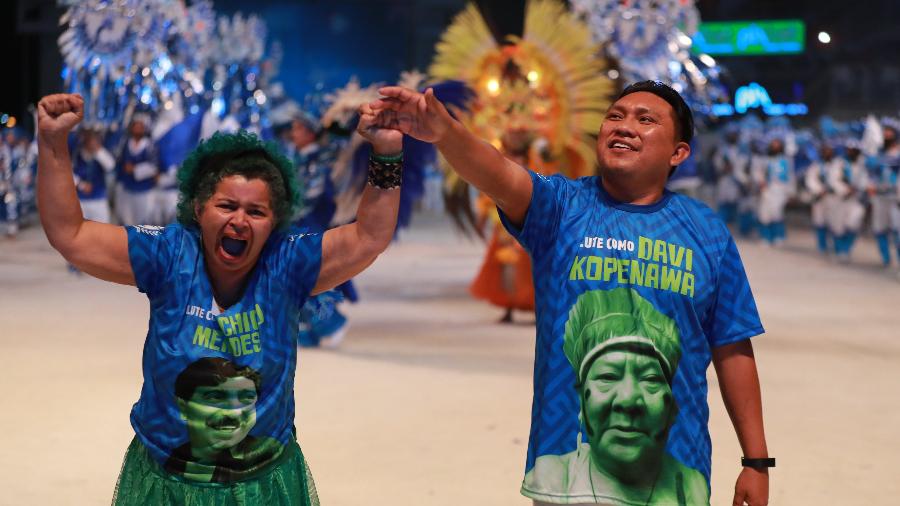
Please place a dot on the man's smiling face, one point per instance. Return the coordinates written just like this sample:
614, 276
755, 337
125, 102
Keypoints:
639, 137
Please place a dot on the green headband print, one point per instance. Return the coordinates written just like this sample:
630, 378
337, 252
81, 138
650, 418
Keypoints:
604, 320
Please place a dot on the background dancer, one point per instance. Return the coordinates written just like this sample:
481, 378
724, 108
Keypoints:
882, 192
817, 179
849, 180
226, 285
136, 174
775, 178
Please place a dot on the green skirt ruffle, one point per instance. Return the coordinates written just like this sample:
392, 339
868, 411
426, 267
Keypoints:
143, 481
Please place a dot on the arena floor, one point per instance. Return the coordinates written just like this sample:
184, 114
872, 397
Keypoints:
427, 402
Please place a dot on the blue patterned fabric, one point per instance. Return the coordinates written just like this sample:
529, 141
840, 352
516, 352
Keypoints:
187, 328
676, 254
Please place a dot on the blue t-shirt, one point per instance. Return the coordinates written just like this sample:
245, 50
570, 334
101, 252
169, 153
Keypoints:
218, 399
630, 301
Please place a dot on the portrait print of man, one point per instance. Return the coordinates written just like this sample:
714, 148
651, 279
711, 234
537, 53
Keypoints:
217, 401
624, 353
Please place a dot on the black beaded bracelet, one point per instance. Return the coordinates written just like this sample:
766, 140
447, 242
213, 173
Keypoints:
758, 463
385, 172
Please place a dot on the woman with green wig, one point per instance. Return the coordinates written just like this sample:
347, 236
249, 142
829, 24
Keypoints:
214, 424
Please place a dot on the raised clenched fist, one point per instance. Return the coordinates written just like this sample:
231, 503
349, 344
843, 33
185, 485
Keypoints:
58, 114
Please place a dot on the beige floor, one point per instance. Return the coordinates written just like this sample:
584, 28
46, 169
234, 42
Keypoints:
427, 402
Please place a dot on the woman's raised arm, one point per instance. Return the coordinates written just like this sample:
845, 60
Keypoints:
99, 249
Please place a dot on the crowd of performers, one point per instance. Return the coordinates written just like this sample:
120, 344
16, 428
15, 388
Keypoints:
843, 179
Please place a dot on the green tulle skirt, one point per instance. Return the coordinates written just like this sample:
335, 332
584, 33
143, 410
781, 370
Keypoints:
143, 481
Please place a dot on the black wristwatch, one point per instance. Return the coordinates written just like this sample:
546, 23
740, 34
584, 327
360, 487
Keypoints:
758, 463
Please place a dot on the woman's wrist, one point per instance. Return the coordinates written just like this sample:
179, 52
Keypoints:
388, 149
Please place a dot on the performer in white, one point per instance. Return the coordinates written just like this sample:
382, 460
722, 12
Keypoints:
824, 201
883, 191
136, 175
91, 163
848, 180
730, 163
774, 175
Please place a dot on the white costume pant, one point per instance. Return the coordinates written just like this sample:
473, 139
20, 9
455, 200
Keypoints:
881, 213
135, 208
727, 190
95, 210
823, 208
771, 203
846, 216
166, 204
895, 217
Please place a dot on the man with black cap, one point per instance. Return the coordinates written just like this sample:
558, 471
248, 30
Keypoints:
666, 253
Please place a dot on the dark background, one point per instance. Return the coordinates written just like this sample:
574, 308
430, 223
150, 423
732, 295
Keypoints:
327, 42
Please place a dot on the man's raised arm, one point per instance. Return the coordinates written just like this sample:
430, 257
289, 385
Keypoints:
423, 117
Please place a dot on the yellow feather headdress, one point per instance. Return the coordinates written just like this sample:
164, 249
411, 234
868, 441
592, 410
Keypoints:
551, 81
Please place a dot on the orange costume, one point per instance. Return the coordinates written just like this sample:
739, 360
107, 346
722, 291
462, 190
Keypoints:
541, 98
505, 276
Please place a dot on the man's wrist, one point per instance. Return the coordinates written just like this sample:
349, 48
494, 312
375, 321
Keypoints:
453, 129
762, 463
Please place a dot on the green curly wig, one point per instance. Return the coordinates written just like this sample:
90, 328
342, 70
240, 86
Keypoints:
620, 318
242, 154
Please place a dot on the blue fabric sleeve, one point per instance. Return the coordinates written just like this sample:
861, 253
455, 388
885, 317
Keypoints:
733, 316
539, 231
151, 251
299, 261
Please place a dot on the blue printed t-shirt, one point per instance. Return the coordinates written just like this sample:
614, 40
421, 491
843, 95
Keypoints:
630, 301
217, 403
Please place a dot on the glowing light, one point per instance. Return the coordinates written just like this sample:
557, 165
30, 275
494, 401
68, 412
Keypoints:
708, 60
145, 72
493, 86
168, 105
218, 106
533, 76
260, 97
4, 119
824, 37
613, 74
11, 122
684, 39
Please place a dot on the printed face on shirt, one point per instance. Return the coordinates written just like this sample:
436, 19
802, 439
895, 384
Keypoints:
219, 417
638, 137
628, 409
235, 223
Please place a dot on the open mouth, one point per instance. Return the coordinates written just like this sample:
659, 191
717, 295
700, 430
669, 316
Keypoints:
234, 247
621, 146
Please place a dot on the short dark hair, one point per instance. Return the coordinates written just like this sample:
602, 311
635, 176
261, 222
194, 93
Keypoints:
242, 154
683, 114
211, 372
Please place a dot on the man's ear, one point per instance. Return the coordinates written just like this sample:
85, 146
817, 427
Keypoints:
197, 210
681, 153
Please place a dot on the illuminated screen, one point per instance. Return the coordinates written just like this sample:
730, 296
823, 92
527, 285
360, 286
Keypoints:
737, 38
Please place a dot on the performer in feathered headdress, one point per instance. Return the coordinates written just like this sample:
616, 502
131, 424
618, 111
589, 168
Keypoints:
538, 98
